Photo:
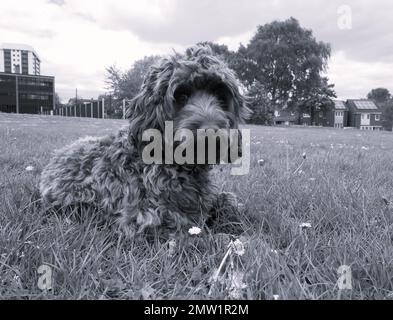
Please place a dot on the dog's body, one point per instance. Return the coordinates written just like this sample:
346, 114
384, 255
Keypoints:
194, 91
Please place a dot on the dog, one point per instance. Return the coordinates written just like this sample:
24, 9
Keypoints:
195, 90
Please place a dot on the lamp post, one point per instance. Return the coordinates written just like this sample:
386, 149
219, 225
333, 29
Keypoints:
103, 108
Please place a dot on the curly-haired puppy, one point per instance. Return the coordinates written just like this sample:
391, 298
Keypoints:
194, 91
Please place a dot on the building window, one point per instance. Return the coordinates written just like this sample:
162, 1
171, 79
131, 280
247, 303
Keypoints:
377, 117
368, 116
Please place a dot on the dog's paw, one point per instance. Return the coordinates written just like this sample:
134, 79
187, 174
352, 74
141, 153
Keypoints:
227, 199
127, 230
225, 215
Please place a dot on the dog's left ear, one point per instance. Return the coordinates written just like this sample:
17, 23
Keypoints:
242, 111
150, 108
238, 102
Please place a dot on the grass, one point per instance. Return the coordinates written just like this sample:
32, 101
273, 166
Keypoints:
338, 189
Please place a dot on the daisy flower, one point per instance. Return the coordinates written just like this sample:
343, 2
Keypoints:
194, 231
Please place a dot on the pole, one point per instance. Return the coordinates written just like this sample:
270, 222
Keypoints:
91, 109
124, 108
103, 108
17, 93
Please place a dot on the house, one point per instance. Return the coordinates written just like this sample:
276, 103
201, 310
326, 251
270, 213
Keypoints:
285, 117
364, 114
337, 117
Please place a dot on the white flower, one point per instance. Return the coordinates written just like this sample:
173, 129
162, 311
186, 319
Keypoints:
261, 162
171, 247
238, 247
304, 155
194, 231
29, 168
276, 296
237, 285
364, 148
305, 225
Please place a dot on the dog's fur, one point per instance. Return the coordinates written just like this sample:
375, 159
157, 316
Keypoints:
195, 90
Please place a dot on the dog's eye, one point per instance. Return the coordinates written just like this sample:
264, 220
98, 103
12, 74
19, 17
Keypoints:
222, 94
181, 97
222, 97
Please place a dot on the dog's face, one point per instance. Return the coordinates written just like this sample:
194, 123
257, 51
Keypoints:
195, 91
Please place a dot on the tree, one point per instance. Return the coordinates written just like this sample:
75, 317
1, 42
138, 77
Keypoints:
57, 101
125, 85
288, 61
379, 95
384, 100
260, 104
73, 101
316, 98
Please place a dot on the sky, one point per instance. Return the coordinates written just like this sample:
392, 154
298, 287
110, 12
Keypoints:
77, 39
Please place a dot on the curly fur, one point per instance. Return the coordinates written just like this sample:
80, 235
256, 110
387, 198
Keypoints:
194, 90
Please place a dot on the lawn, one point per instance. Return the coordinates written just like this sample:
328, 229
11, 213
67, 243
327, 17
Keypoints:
318, 201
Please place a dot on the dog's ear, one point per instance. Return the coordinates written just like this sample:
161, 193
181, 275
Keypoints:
150, 107
238, 102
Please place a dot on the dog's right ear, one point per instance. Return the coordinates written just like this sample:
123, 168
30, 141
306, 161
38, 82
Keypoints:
149, 109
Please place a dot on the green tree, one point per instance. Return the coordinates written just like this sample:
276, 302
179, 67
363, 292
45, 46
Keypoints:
289, 62
125, 85
384, 100
379, 95
57, 100
260, 104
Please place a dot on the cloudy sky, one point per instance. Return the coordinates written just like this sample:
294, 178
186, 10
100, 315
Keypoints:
77, 39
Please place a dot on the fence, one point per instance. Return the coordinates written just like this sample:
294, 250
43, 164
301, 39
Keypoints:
87, 109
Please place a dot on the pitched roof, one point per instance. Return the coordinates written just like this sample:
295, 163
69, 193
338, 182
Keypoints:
339, 105
363, 104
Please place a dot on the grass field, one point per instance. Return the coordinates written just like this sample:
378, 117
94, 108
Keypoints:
337, 192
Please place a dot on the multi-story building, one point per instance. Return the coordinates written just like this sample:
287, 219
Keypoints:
364, 114
22, 88
19, 58
336, 117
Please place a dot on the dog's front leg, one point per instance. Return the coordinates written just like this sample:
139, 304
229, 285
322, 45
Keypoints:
225, 214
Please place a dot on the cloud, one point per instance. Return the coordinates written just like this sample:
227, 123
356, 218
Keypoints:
78, 39
355, 79
57, 2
